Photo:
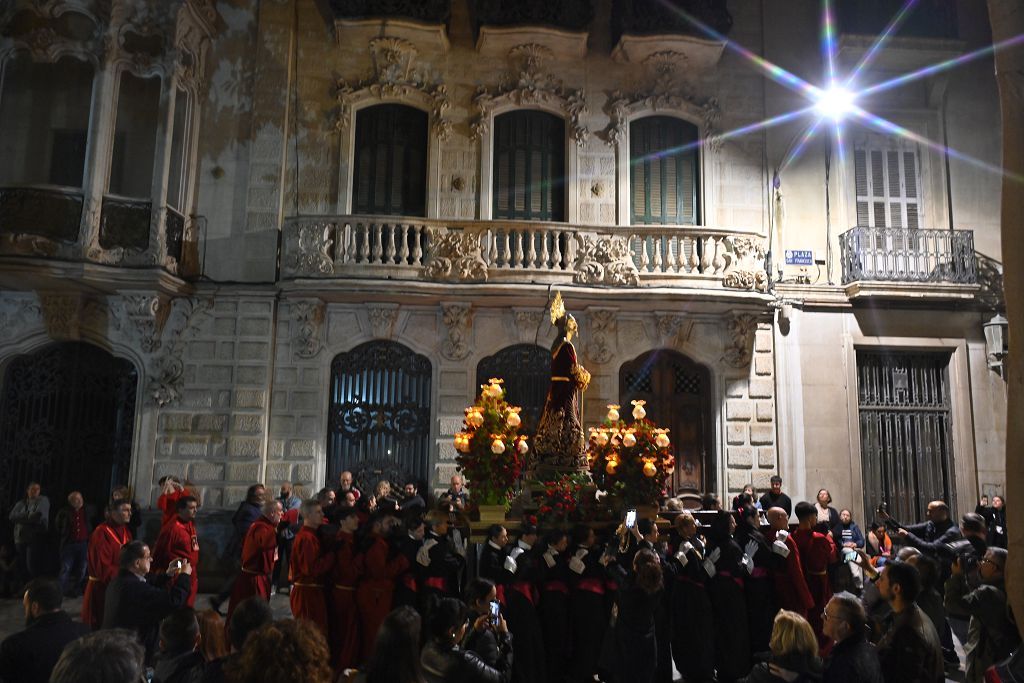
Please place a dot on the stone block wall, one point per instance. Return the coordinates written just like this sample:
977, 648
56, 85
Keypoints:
750, 434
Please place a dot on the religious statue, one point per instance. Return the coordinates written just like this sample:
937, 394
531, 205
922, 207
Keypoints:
560, 446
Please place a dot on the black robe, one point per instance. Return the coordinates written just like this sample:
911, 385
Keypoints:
588, 615
693, 626
732, 634
554, 616
760, 590
521, 598
636, 646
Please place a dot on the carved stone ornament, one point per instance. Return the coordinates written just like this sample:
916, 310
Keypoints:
382, 320
457, 256
145, 314
605, 261
458, 319
167, 374
309, 321
308, 248
529, 83
46, 37
526, 322
745, 265
674, 327
741, 328
602, 340
62, 314
18, 315
666, 92
396, 75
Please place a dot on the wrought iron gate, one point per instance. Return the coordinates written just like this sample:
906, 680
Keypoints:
380, 412
677, 391
67, 418
526, 369
905, 442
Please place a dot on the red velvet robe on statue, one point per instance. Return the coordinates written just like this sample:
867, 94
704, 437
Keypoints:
178, 540
344, 641
377, 588
259, 553
104, 557
791, 590
308, 569
817, 551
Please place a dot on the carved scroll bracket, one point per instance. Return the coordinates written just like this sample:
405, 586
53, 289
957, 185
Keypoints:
167, 376
458, 319
605, 261
382, 319
740, 347
143, 314
307, 332
457, 256
745, 265
602, 340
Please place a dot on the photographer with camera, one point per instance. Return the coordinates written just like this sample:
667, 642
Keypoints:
489, 637
932, 537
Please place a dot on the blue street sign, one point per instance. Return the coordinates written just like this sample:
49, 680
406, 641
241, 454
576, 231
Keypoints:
796, 257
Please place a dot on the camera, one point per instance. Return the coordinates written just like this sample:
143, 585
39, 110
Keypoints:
963, 550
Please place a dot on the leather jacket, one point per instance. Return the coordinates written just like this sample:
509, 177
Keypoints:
443, 664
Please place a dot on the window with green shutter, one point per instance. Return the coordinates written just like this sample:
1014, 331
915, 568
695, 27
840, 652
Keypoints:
663, 171
390, 161
886, 174
529, 166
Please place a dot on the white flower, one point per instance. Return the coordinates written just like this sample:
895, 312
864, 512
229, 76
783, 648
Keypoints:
661, 441
629, 440
523, 448
498, 447
513, 419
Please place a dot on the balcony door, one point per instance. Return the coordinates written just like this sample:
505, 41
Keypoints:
390, 161
678, 395
529, 166
663, 171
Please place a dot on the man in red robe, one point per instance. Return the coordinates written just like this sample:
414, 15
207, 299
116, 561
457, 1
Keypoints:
787, 570
377, 588
309, 568
178, 540
259, 553
817, 552
104, 558
171, 491
344, 640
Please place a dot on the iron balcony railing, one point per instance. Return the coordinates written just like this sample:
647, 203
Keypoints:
908, 255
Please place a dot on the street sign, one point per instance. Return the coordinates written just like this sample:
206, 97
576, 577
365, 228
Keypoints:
797, 257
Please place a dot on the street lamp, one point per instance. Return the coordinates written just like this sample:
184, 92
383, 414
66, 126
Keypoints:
997, 342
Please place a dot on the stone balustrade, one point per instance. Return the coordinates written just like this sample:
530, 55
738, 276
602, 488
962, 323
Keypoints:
521, 252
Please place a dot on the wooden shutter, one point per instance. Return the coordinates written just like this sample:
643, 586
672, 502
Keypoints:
529, 166
886, 179
390, 161
663, 171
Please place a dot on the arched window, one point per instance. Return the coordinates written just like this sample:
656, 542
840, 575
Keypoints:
390, 175
678, 395
663, 171
379, 409
526, 369
67, 419
529, 166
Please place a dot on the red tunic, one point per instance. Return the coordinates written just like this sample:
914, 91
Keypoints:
791, 590
308, 570
104, 558
817, 551
168, 502
377, 589
178, 540
259, 553
344, 640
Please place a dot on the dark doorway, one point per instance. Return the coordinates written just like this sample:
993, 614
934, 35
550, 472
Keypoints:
526, 369
379, 415
905, 437
678, 395
67, 419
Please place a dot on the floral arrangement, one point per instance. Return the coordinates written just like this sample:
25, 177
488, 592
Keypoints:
561, 499
631, 461
491, 452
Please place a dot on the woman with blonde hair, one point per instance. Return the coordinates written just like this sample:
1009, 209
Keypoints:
794, 653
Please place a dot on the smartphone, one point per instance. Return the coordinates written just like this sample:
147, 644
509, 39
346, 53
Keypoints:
178, 564
630, 519
849, 556
495, 609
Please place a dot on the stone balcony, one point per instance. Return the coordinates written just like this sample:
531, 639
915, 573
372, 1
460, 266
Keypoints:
901, 262
711, 260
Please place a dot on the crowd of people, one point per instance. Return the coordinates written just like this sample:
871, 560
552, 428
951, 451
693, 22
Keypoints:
385, 586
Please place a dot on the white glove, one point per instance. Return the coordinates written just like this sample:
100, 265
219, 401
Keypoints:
686, 547
782, 535
780, 548
511, 566
423, 554
748, 564
576, 564
681, 557
750, 548
549, 559
714, 555
581, 553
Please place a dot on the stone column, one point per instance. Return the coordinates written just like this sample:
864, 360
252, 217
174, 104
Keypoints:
1007, 17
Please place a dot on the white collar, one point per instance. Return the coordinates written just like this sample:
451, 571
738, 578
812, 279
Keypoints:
493, 545
524, 545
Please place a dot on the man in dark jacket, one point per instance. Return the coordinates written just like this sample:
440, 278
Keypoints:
852, 658
29, 656
179, 660
992, 635
74, 524
775, 498
135, 604
934, 536
910, 649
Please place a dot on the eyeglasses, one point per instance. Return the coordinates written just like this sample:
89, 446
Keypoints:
825, 616
986, 560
